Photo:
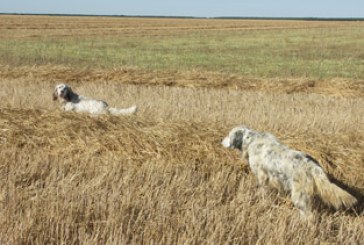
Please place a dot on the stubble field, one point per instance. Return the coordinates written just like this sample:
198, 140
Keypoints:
162, 176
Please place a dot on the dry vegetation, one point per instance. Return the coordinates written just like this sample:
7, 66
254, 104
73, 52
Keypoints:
339, 87
162, 176
42, 26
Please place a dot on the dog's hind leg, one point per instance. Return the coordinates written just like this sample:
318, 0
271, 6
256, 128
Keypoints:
275, 182
301, 199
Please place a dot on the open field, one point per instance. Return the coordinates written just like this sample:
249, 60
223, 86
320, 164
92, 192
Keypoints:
259, 48
162, 176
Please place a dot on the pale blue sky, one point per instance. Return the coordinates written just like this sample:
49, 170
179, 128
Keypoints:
198, 8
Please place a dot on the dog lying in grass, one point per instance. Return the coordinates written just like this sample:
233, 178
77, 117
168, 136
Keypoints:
286, 169
73, 102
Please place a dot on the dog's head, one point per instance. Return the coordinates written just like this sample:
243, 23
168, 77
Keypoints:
62, 91
238, 138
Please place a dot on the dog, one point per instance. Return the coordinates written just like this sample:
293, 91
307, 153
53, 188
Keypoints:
70, 101
287, 170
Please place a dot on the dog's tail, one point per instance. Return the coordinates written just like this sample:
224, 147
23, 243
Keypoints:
127, 111
329, 192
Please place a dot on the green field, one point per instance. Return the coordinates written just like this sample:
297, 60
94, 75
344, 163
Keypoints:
316, 52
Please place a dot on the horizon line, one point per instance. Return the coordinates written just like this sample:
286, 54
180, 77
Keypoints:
194, 17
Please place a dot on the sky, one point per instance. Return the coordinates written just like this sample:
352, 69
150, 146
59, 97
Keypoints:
195, 8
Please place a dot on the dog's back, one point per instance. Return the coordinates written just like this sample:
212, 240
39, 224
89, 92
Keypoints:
91, 106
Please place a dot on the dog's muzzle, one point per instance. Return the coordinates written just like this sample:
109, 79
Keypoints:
226, 142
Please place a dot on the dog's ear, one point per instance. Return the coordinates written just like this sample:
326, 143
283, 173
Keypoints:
54, 95
237, 139
69, 89
69, 94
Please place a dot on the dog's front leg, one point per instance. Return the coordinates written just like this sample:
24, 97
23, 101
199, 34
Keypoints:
262, 179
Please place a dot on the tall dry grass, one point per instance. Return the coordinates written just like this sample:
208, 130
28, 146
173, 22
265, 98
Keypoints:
162, 176
230, 106
74, 178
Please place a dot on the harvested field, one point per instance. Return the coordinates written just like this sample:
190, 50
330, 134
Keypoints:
192, 79
228, 106
162, 176
71, 178
45, 26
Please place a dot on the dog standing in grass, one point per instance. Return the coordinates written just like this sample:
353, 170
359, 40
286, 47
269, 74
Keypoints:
286, 170
73, 102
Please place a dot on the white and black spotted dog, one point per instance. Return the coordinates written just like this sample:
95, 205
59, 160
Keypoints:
71, 101
286, 169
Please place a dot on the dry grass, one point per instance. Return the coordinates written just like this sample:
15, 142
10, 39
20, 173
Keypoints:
45, 26
162, 176
191, 79
229, 106
73, 178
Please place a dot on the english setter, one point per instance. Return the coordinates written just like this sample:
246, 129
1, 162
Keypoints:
71, 101
286, 169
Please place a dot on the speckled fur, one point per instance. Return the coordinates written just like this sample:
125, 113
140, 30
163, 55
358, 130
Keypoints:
286, 169
70, 101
